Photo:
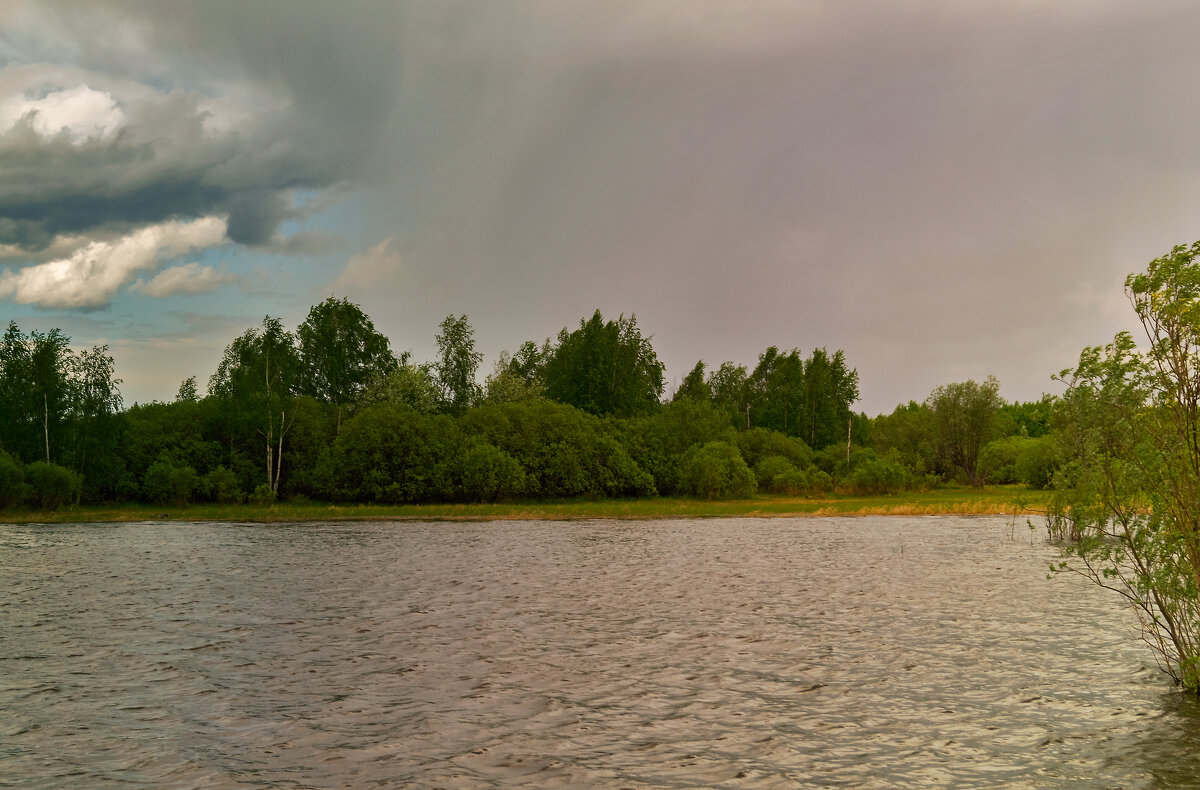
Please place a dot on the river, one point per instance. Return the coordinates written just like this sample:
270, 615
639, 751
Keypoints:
850, 652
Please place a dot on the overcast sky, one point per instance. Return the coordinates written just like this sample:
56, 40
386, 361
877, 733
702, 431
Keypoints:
944, 190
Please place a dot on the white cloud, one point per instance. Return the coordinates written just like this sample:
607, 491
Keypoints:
90, 276
81, 113
190, 278
365, 271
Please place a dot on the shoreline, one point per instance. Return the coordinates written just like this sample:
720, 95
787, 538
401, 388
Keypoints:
990, 500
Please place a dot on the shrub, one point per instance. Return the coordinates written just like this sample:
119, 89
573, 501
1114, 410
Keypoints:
166, 483
489, 473
1036, 462
221, 486
12, 481
780, 476
879, 475
759, 443
716, 471
50, 486
263, 495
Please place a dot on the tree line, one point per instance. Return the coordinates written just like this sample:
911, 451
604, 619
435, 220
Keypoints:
329, 411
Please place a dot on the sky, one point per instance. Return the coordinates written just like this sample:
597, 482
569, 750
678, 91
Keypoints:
943, 190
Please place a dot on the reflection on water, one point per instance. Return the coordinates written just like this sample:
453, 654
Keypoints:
872, 652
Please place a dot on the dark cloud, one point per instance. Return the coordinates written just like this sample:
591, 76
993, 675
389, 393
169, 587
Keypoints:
227, 107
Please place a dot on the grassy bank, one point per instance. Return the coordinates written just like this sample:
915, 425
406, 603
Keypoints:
943, 501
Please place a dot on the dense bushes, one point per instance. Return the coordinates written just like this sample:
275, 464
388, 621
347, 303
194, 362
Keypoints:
12, 481
51, 486
716, 471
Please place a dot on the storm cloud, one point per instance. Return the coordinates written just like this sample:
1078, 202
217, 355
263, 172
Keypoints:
125, 115
942, 189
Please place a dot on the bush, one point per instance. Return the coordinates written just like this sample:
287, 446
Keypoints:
1036, 462
50, 486
489, 473
716, 471
12, 481
879, 475
998, 459
759, 443
166, 483
780, 476
263, 495
221, 486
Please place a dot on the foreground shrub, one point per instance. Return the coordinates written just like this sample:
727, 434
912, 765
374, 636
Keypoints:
50, 486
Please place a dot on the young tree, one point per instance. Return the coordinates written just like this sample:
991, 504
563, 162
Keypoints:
694, 387
457, 362
257, 378
340, 354
1129, 485
507, 384
963, 417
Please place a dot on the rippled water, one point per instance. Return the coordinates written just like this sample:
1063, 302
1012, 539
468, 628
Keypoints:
871, 652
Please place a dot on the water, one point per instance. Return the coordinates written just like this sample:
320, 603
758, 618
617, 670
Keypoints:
868, 652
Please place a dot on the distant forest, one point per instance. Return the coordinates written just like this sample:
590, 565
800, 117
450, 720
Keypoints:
330, 412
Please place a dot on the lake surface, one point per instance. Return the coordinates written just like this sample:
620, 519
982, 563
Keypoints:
853, 652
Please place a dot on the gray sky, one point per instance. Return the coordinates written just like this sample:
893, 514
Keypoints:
944, 190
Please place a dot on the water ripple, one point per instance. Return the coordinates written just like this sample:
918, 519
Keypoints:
874, 652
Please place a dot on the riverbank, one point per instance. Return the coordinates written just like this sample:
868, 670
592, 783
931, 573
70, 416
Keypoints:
990, 500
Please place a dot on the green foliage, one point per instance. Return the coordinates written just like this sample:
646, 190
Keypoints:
12, 481
605, 368
50, 486
255, 382
657, 442
490, 474
759, 443
879, 475
694, 387
716, 470
1127, 490
564, 452
457, 362
909, 430
391, 454
964, 418
1037, 462
408, 385
220, 485
512, 381
166, 483
341, 353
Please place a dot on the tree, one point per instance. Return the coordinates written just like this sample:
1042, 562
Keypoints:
830, 389
187, 391
963, 417
94, 406
408, 384
341, 352
728, 385
694, 387
1128, 488
508, 384
605, 368
257, 378
457, 362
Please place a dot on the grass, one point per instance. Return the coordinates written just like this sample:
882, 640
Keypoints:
941, 501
